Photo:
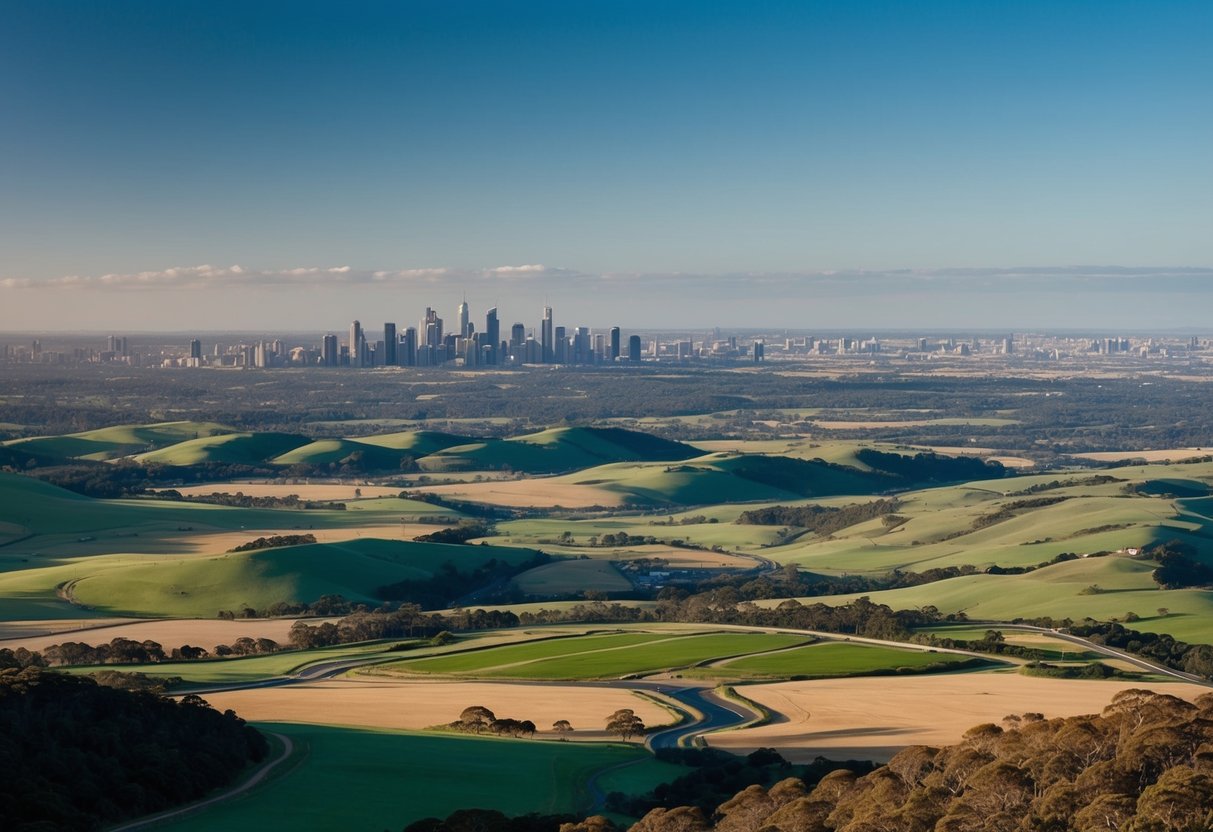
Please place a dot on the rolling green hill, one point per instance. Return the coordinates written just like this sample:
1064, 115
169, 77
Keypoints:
31, 506
326, 451
240, 448
415, 443
558, 449
730, 478
183, 586
117, 441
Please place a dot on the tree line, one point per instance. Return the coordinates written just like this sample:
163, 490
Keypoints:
129, 651
77, 755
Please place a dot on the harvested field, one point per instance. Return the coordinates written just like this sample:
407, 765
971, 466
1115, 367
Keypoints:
873, 718
371, 702
318, 491
172, 542
1170, 455
909, 423
14, 634
200, 632
531, 493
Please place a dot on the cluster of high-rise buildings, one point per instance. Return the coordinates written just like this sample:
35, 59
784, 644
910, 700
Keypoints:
434, 342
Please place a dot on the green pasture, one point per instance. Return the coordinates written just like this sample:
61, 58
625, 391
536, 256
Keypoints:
258, 579
571, 577
368, 779
186, 587
473, 662
826, 659
117, 441
558, 449
29, 506
329, 451
1123, 585
598, 657
241, 448
415, 443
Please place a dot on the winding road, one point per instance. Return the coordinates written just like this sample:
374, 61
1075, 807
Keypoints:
264, 771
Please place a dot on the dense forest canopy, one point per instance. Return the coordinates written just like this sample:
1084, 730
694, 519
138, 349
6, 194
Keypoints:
77, 755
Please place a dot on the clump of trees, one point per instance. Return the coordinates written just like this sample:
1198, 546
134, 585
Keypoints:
477, 719
449, 583
464, 531
78, 755
931, 467
242, 500
625, 724
1178, 567
821, 520
1144, 765
274, 541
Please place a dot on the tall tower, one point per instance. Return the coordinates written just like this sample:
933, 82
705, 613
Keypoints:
547, 340
492, 334
464, 328
391, 345
614, 354
356, 340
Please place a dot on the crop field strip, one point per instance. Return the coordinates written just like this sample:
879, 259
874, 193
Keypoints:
622, 655
832, 658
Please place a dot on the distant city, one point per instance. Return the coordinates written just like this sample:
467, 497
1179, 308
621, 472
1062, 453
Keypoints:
461, 344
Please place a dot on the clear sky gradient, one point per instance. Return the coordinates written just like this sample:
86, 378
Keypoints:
687, 163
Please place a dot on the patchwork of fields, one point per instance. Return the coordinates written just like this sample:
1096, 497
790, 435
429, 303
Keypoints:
620, 514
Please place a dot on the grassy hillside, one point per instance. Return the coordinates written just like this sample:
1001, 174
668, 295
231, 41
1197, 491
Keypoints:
326, 451
558, 449
1122, 585
729, 478
244, 448
178, 586
415, 443
30, 506
117, 441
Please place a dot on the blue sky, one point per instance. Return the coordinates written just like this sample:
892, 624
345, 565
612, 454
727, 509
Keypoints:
448, 143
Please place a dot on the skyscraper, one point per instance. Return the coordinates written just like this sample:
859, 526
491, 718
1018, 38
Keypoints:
356, 339
634, 349
614, 355
330, 355
492, 335
391, 345
408, 348
547, 340
464, 330
196, 349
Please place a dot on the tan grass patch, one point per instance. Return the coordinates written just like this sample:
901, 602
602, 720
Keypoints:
531, 493
306, 491
873, 718
202, 632
405, 704
1169, 455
